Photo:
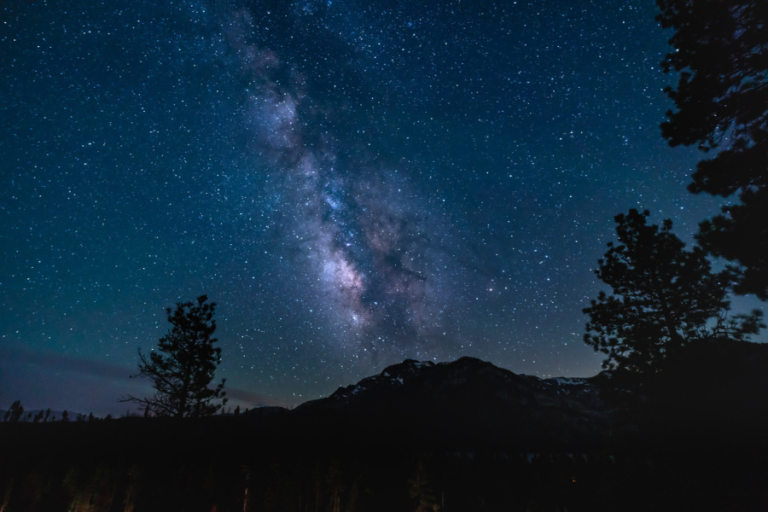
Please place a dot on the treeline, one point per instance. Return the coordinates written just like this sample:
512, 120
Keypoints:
16, 414
139, 474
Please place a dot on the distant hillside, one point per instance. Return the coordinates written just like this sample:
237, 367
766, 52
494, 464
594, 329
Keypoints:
712, 391
413, 384
470, 399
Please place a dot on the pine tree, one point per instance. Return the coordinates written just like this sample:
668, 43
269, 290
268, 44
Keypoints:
183, 367
663, 298
15, 413
421, 492
721, 103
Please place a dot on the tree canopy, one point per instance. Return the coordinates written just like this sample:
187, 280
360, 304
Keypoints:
663, 297
721, 101
183, 367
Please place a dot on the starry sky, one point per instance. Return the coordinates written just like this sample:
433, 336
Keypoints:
353, 182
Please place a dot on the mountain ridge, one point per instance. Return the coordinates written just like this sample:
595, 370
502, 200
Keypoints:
468, 400
452, 375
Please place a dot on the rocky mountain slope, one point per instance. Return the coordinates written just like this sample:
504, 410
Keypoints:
415, 384
711, 393
473, 400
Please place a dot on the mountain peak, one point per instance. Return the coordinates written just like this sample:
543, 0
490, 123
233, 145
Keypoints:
467, 397
467, 379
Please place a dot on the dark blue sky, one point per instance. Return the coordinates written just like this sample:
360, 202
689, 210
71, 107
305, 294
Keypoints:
353, 182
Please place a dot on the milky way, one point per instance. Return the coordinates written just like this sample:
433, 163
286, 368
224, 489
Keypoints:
353, 182
349, 222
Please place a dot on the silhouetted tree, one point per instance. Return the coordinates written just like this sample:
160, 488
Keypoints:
421, 492
183, 366
663, 297
720, 48
65, 416
335, 484
15, 413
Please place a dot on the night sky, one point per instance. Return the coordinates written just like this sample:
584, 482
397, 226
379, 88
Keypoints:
353, 182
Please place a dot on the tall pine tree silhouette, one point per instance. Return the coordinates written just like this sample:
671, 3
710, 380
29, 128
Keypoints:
182, 368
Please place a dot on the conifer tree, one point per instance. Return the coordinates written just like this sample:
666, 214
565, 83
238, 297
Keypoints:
663, 297
15, 413
721, 103
183, 367
421, 492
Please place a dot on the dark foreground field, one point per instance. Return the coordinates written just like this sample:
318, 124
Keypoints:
241, 464
463, 436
